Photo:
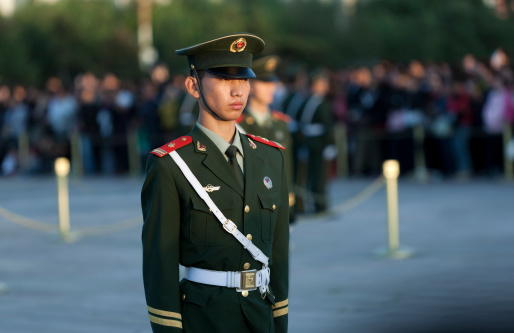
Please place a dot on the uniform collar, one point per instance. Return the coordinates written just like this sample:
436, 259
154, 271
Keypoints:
220, 142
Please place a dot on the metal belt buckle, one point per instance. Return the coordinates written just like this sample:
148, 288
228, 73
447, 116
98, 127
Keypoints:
230, 226
248, 280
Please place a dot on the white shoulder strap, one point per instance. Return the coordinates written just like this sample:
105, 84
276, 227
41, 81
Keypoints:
228, 225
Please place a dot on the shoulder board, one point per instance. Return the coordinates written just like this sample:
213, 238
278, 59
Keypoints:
281, 116
171, 146
240, 119
265, 141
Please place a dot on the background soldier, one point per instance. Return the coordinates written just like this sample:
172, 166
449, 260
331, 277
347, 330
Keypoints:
316, 146
226, 288
260, 120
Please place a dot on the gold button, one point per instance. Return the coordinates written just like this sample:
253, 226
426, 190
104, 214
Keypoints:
244, 293
183, 296
184, 139
246, 265
247, 209
274, 207
249, 236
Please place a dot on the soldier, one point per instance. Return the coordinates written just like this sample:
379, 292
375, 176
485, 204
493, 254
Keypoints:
317, 142
219, 207
259, 119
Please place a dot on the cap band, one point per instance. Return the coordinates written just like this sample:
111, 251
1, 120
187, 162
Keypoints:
222, 59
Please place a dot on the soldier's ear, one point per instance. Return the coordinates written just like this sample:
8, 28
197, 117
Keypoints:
192, 87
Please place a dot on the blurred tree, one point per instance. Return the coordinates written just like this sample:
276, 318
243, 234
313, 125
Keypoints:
74, 36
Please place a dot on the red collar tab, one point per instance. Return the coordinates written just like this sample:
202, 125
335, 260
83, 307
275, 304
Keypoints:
265, 141
240, 119
171, 146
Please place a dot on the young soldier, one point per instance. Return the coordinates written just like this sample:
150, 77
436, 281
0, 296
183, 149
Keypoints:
216, 201
259, 119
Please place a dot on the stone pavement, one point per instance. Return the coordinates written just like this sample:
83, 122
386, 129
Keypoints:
461, 278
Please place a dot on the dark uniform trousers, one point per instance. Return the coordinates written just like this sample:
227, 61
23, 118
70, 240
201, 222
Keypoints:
179, 228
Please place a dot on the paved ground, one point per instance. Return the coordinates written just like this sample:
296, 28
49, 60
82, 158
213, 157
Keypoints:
461, 278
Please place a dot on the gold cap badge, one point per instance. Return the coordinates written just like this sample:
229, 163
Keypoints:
238, 45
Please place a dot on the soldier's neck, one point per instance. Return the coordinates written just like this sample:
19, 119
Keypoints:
225, 129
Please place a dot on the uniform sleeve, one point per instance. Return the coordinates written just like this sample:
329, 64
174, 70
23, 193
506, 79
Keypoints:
160, 238
280, 258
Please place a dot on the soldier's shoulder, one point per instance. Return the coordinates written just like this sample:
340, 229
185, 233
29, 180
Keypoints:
280, 116
171, 146
265, 141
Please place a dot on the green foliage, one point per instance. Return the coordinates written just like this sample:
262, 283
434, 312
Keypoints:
73, 36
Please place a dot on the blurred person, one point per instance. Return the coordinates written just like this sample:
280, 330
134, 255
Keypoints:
61, 117
367, 103
316, 121
440, 126
226, 287
123, 122
496, 113
89, 130
105, 118
169, 107
259, 119
5, 97
148, 113
15, 124
459, 104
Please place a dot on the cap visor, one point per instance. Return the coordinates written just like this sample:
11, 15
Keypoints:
232, 72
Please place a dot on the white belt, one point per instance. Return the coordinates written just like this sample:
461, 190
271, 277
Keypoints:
243, 280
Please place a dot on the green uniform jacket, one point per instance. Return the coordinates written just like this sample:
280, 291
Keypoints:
179, 228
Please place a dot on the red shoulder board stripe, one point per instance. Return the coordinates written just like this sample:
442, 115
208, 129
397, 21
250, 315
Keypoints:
171, 146
240, 119
265, 141
280, 116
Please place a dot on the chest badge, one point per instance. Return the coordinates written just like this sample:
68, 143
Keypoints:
267, 182
209, 188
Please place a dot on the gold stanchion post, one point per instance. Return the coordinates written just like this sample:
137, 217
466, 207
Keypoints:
508, 167
391, 171
62, 169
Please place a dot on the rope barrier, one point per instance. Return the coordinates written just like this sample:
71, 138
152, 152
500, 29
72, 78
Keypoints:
87, 231
26, 222
340, 208
348, 204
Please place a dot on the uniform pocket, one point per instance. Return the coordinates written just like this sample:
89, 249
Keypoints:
268, 217
205, 228
193, 293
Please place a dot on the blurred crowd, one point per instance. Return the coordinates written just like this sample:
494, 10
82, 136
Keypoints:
460, 112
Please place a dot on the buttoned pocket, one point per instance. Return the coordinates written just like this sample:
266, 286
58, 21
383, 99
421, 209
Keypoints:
268, 217
194, 293
205, 228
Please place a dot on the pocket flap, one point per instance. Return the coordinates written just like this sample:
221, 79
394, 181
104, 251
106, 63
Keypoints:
196, 293
197, 203
266, 202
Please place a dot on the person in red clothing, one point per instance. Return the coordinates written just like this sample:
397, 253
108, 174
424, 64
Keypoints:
459, 104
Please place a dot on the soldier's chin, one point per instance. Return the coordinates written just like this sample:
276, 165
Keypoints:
231, 115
